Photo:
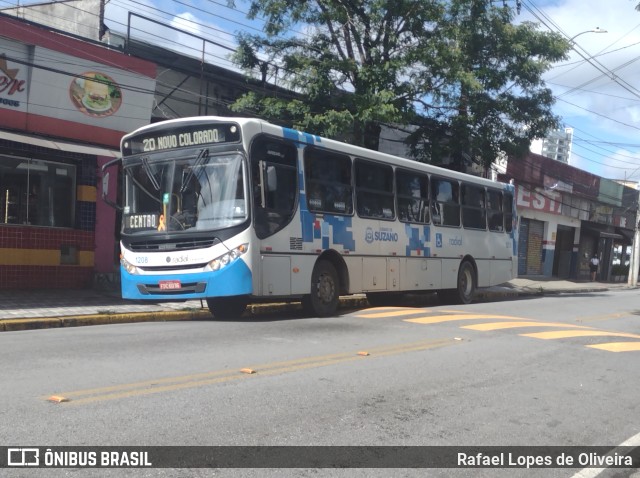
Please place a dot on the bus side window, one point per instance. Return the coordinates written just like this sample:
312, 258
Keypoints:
445, 202
374, 190
413, 196
474, 214
508, 211
328, 181
494, 210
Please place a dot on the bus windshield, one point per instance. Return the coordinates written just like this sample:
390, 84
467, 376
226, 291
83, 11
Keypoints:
196, 192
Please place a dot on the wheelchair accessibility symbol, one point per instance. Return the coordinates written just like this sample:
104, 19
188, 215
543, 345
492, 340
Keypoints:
438, 239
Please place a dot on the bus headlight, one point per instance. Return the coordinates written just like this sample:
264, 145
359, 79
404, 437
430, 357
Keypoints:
225, 259
128, 266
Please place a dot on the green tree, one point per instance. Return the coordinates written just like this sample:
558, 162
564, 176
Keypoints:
457, 70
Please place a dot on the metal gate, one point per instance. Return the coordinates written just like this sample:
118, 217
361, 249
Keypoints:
530, 247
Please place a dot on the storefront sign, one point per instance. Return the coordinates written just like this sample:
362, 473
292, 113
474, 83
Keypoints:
539, 200
13, 76
75, 96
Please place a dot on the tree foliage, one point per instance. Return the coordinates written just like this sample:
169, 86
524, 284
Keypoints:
460, 72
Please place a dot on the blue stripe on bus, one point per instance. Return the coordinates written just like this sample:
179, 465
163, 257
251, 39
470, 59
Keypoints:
418, 242
342, 233
296, 135
234, 279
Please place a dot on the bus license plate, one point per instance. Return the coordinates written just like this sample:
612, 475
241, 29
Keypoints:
169, 284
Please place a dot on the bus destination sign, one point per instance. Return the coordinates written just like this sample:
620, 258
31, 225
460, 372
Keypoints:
201, 134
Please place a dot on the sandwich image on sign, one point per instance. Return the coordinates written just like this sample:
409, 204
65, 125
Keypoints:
96, 93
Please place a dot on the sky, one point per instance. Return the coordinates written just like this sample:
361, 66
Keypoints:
597, 89
599, 98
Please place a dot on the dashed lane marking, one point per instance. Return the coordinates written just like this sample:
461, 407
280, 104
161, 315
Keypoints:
172, 384
513, 325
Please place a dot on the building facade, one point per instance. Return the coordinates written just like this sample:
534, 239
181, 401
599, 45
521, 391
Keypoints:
64, 105
566, 216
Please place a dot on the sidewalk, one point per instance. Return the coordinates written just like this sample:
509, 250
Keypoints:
36, 309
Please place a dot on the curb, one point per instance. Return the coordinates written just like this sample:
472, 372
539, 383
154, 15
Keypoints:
14, 325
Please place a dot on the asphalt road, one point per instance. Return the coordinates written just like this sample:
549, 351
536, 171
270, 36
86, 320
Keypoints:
535, 372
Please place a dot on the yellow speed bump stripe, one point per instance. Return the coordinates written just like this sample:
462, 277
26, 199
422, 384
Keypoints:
170, 384
563, 334
392, 313
450, 318
618, 346
513, 325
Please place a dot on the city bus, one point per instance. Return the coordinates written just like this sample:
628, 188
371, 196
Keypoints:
232, 210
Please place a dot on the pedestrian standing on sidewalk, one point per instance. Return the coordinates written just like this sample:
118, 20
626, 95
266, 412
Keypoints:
594, 262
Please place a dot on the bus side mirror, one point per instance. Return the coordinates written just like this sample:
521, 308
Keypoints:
105, 184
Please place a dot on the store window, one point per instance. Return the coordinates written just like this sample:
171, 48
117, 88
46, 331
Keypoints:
37, 193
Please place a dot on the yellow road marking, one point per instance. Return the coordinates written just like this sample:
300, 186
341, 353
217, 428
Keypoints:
513, 325
449, 318
392, 313
618, 346
563, 334
168, 384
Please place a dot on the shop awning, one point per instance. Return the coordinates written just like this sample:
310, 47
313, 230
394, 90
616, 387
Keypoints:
626, 233
60, 145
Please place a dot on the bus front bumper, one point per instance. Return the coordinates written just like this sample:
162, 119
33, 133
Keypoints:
234, 279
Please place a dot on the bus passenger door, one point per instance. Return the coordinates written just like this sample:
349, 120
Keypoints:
276, 275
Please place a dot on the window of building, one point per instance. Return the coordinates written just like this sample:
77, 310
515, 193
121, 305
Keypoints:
38, 193
413, 196
328, 182
374, 190
445, 202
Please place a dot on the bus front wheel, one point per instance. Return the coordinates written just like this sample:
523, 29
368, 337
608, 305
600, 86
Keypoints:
228, 307
325, 287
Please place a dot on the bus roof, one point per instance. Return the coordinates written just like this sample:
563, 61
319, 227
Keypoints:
321, 142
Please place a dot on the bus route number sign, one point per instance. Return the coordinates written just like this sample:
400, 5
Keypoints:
201, 134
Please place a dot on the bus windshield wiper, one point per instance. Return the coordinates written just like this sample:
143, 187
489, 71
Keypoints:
150, 175
201, 159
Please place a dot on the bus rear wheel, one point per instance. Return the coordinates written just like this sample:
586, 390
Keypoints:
466, 286
325, 287
228, 307
466, 283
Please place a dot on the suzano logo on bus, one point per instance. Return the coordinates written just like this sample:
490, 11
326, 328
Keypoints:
384, 234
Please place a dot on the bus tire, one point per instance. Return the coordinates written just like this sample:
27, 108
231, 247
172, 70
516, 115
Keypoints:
466, 283
465, 289
228, 307
325, 288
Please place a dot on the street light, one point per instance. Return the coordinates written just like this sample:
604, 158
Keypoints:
595, 30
